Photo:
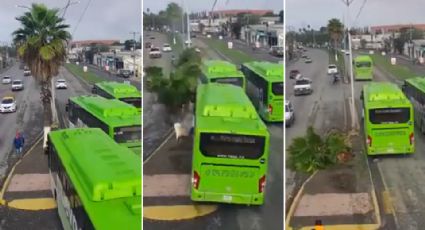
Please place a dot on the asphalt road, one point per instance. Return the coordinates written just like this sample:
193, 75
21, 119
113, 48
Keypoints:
28, 117
402, 177
266, 217
155, 117
324, 109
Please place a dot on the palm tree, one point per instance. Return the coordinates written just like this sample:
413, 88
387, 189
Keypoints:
335, 30
311, 153
41, 43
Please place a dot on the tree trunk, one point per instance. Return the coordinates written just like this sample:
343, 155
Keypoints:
46, 97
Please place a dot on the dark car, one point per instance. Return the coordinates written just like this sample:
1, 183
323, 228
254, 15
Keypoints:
293, 73
148, 45
124, 73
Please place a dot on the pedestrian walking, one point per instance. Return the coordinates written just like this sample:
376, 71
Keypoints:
18, 142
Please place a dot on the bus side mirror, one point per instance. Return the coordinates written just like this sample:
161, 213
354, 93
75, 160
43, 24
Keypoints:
67, 107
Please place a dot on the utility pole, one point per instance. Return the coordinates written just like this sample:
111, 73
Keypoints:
353, 106
134, 52
188, 27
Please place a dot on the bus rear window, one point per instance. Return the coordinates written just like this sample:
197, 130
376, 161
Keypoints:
238, 81
232, 146
389, 115
363, 64
128, 134
135, 101
277, 88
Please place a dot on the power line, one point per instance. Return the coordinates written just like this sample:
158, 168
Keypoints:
361, 9
81, 17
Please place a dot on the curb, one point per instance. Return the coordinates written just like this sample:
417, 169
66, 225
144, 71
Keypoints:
9, 175
295, 202
168, 136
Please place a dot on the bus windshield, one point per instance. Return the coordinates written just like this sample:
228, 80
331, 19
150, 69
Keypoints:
389, 115
135, 101
363, 64
128, 134
232, 145
238, 81
277, 88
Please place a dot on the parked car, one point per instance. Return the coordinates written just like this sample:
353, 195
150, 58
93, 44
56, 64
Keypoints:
308, 60
289, 114
166, 47
6, 80
155, 53
8, 105
332, 69
276, 51
148, 45
125, 73
303, 86
61, 84
17, 85
293, 73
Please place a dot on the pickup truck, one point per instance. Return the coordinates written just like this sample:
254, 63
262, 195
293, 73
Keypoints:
303, 86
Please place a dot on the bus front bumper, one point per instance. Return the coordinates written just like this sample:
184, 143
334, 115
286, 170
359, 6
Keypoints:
257, 199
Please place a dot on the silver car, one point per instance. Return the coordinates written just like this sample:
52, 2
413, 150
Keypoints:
17, 85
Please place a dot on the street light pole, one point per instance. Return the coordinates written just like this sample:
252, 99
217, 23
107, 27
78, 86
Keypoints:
353, 106
188, 27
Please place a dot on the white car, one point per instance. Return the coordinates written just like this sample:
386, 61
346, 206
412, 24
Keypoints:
8, 105
289, 114
6, 80
166, 48
303, 86
27, 72
17, 85
155, 53
332, 69
61, 84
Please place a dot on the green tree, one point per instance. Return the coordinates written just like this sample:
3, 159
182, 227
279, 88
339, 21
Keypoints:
335, 30
311, 153
179, 88
41, 42
174, 14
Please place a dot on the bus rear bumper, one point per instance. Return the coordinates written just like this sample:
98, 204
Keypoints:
390, 151
256, 199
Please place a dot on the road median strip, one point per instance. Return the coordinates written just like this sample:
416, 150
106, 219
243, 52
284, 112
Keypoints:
177, 212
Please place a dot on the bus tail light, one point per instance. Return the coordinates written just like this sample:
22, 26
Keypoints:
412, 138
369, 140
262, 184
195, 179
270, 109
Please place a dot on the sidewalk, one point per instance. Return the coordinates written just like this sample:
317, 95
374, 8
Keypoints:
26, 200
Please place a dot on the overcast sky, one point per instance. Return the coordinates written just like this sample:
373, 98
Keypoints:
300, 13
200, 5
104, 19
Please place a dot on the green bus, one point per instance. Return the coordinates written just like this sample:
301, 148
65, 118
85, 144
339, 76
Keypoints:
97, 184
265, 88
388, 119
363, 67
218, 71
120, 121
414, 89
230, 148
121, 91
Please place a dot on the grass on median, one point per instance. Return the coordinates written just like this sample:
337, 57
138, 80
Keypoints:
399, 71
88, 76
237, 57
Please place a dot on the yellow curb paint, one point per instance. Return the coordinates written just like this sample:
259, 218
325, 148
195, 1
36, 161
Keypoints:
33, 204
387, 203
345, 227
177, 212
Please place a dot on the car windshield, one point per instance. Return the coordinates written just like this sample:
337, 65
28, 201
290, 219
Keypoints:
61, 81
166, 45
332, 67
7, 101
17, 82
302, 82
7, 78
154, 49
